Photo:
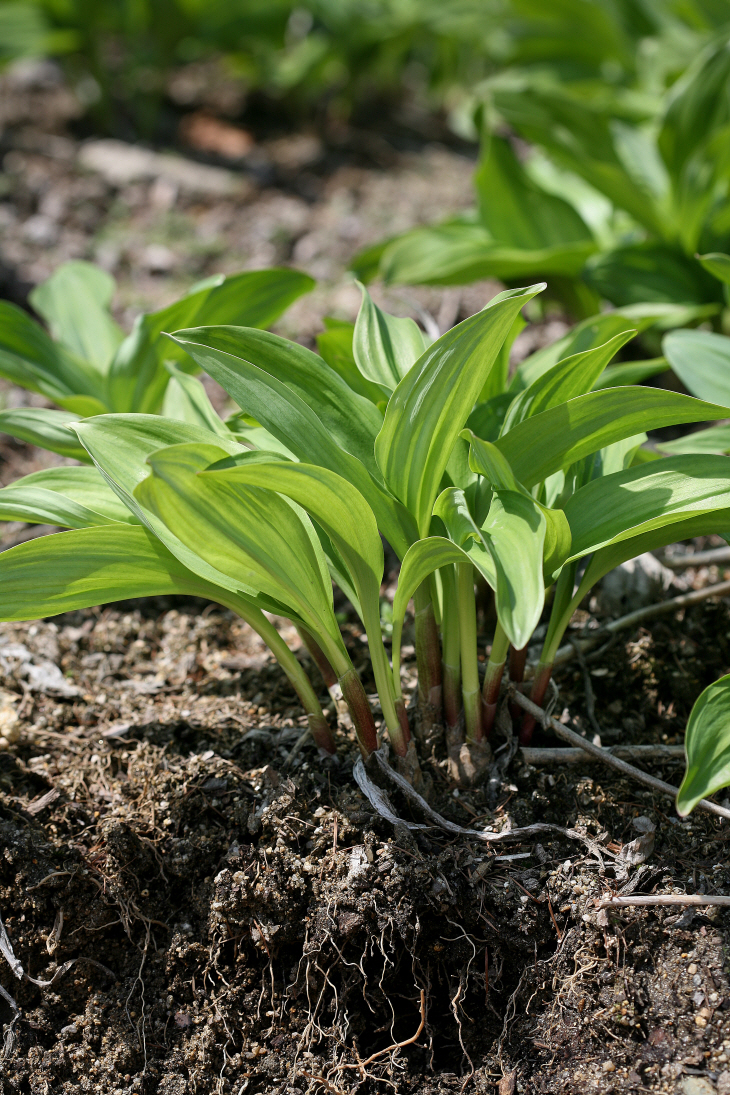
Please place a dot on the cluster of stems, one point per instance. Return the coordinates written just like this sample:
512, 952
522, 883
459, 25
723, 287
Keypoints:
449, 690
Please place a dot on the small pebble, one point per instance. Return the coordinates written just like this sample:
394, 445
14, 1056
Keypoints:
608, 1066
691, 969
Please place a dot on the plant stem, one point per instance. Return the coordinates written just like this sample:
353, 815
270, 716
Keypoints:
564, 605
451, 647
428, 658
360, 711
517, 661
493, 677
299, 680
543, 673
468, 641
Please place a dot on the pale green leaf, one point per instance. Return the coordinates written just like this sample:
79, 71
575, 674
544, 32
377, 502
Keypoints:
571, 377
707, 747
90, 566
384, 346
555, 439
430, 406
74, 302
45, 428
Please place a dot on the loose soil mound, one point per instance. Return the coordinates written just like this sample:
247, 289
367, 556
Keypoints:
240, 925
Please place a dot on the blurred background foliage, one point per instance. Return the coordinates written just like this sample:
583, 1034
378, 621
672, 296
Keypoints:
333, 58
604, 124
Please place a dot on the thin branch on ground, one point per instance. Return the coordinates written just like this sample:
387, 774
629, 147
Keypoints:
663, 899
696, 559
607, 757
686, 600
540, 757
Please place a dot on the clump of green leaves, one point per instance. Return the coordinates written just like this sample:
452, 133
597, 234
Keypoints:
385, 438
85, 365
616, 195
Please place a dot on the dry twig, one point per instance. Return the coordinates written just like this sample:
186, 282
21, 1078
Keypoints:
663, 899
696, 596
607, 757
539, 757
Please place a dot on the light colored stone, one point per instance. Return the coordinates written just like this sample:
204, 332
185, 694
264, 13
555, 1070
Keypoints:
121, 163
635, 583
608, 1066
723, 1083
697, 1085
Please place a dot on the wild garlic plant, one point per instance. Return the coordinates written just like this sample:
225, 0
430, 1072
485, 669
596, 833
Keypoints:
86, 366
383, 443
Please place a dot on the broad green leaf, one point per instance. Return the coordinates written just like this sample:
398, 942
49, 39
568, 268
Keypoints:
631, 372
555, 439
487, 460
458, 253
334, 504
120, 444
384, 346
718, 265
513, 538
187, 400
514, 534
707, 747
45, 428
632, 502
595, 331
137, 376
430, 406
516, 211
352, 421
421, 560
715, 439
701, 360
347, 521
451, 507
74, 302
252, 534
39, 506
91, 566
286, 415
335, 346
649, 272
72, 497
30, 358
571, 377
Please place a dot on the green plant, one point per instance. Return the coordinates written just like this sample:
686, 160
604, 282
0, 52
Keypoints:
613, 199
268, 529
87, 366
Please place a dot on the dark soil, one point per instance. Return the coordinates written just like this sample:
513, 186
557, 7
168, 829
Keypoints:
257, 928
